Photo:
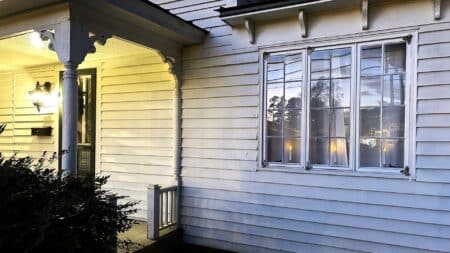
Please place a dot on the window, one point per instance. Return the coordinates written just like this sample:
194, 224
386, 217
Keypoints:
382, 105
283, 110
348, 111
330, 83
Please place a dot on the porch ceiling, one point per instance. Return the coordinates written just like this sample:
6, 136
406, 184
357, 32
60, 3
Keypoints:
11, 7
22, 51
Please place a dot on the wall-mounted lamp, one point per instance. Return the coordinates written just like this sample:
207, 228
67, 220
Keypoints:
40, 94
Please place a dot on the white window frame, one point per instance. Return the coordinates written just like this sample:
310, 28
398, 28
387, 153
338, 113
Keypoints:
264, 112
308, 109
354, 43
407, 106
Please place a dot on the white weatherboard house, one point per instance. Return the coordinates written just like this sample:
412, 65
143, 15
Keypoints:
260, 126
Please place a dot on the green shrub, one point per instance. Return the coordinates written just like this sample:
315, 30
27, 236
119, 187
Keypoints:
42, 212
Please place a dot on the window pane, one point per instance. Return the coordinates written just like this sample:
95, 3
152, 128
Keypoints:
369, 122
393, 121
394, 89
371, 60
320, 122
319, 148
293, 95
274, 123
369, 153
292, 123
339, 152
275, 68
341, 63
292, 150
340, 123
341, 92
274, 150
294, 67
370, 91
392, 155
320, 64
395, 58
320, 93
274, 96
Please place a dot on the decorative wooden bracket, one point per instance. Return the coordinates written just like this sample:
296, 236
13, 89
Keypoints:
437, 9
365, 14
302, 22
250, 27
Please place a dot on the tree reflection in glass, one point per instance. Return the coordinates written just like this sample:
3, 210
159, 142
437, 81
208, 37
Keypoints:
330, 107
382, 105
284, 108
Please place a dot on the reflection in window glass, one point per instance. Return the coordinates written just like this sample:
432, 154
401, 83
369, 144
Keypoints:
284, 78
330, 107
382, 105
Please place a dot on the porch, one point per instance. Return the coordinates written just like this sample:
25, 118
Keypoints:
104, 96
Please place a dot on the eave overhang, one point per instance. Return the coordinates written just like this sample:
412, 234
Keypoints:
181, 30
143, 11
281, 9
14, 7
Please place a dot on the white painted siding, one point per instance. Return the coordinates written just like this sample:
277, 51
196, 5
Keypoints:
20, 115
135, 138
433, 110
227, 204
134, 120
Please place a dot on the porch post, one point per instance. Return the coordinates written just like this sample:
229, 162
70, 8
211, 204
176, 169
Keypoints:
71, 42
70, 120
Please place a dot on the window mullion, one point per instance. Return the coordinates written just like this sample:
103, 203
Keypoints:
383, 55
354, 109
330, 99
283, 100
305, 108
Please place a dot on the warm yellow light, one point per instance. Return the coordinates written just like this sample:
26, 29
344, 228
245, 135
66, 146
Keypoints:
40, 94
36, 40
333, 147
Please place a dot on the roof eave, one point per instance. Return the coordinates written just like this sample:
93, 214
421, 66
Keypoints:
187, 32
267, 11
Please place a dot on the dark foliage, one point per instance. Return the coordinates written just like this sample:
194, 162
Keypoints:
42, 212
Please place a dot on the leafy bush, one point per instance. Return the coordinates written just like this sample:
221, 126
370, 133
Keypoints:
42, 212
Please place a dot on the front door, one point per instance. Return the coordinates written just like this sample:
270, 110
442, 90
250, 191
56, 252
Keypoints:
86, 121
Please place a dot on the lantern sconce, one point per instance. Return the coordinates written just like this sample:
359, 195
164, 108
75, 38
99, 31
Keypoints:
40, 94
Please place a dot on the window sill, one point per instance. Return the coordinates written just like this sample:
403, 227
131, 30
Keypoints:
337, 172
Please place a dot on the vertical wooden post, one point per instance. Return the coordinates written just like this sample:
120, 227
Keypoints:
71, 42
153, 200
69, 120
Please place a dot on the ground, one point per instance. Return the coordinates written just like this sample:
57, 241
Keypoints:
169, 242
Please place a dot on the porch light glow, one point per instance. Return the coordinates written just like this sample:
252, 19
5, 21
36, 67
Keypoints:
40, 95
36, 40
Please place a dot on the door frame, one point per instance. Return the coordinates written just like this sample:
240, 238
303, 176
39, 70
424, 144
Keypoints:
93, 73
